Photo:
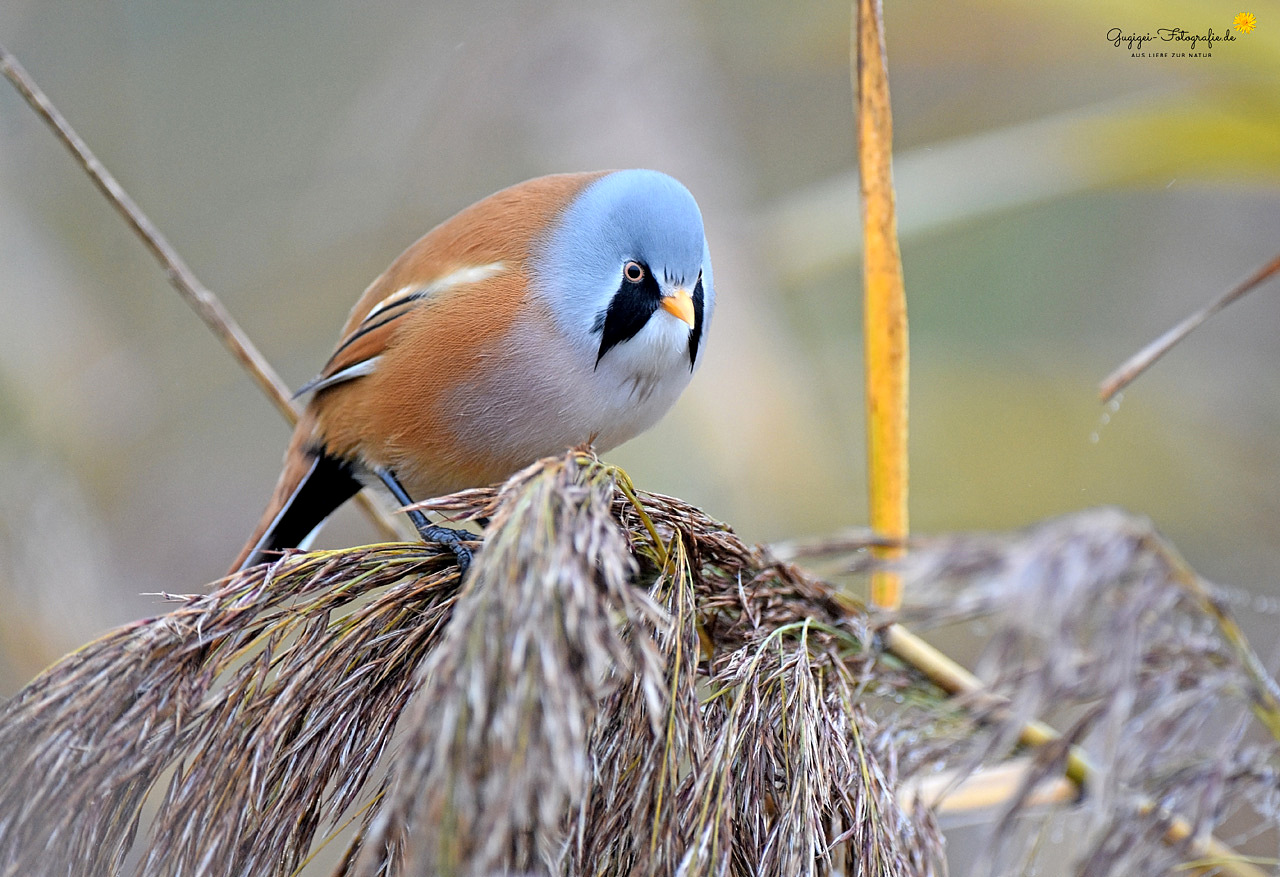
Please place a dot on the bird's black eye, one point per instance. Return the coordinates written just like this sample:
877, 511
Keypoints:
633, 271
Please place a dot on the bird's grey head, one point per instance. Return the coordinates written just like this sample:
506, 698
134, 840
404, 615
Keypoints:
629, 250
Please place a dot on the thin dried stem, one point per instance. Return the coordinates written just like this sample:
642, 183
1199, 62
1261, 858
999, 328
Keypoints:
206, 305
209, 308
955, 679
1106, 570
1135, 365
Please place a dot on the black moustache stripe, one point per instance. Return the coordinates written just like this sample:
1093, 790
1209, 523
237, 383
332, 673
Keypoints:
695, 334
629, 309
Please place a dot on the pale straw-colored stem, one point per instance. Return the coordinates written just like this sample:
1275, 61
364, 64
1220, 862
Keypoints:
1209, 855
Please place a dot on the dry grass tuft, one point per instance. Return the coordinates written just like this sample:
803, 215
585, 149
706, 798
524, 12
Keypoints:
1095, 624
269, 701
598, 701
546, 627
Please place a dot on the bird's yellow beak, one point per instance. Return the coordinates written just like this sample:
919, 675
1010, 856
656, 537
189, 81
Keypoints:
680, 305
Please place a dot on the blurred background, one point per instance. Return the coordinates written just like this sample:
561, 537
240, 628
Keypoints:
1061, 204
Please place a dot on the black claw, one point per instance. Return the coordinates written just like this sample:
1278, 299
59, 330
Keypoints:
452, 539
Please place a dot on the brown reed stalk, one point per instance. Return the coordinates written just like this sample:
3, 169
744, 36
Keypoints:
206, 305
1129, 370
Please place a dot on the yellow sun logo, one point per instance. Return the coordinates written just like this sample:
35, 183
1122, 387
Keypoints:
1245, 22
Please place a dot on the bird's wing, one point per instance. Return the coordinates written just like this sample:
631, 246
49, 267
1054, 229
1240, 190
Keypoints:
490, 238
358, 352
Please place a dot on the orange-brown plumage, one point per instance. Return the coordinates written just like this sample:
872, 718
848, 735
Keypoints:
439, 356
430, 350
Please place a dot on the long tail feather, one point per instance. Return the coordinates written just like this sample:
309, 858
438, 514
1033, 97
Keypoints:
311, 486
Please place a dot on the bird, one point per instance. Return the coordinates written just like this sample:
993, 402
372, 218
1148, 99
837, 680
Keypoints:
567, 309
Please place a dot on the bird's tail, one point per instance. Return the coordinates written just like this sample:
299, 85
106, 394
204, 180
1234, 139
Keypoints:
311, 486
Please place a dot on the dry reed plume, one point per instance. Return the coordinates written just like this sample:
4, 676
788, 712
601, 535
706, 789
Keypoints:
595, 701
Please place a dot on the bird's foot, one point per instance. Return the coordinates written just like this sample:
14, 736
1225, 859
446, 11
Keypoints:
452, 539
